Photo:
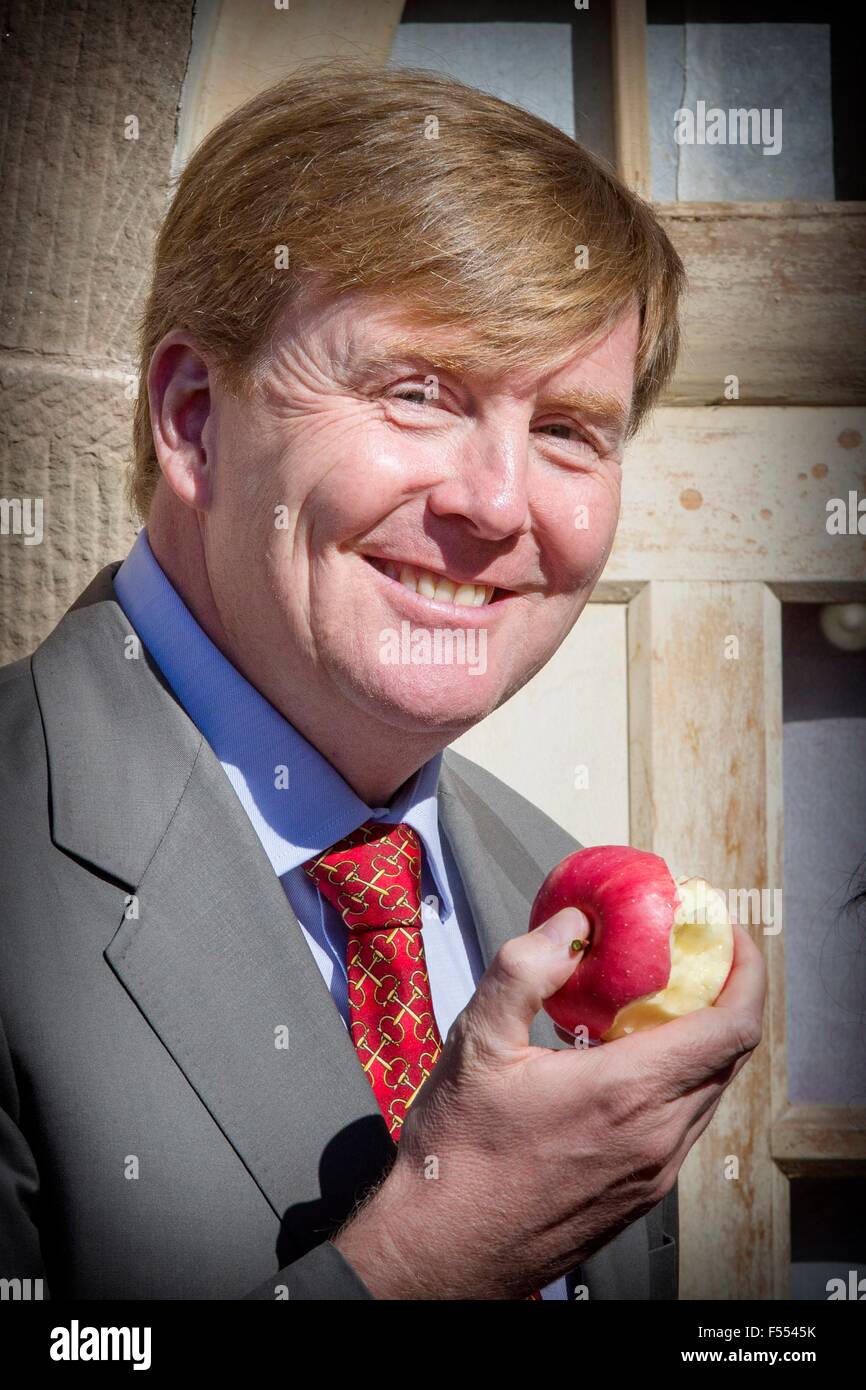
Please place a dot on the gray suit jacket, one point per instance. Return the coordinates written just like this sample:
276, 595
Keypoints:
154, 1143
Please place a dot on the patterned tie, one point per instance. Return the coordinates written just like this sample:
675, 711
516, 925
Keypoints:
373, 878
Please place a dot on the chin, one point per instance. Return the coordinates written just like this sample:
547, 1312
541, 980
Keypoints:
435, 700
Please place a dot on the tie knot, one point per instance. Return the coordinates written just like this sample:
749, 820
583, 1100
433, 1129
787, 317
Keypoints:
372, 877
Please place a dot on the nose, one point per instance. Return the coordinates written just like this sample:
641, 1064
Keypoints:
487, 484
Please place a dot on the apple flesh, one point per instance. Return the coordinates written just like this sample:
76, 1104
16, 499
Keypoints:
658, 947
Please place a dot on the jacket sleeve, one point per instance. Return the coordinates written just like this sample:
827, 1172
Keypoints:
323, 1273
20, 1251
664, 1246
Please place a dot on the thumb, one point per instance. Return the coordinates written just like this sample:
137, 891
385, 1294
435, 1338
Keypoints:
525, 972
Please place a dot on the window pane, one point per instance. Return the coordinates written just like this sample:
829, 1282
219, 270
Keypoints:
824, 790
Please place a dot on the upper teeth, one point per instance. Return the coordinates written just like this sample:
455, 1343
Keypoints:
438, 587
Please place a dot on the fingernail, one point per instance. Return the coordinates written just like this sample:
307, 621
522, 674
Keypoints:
567, 927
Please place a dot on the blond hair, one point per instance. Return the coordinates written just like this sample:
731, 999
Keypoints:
471, 211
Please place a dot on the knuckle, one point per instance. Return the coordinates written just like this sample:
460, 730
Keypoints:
658, 1150
748, 1032
511, 963
649, 1171
663, 1184
468, 1041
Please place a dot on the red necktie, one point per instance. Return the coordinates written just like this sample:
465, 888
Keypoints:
373, 878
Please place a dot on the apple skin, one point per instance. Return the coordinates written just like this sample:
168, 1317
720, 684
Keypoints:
630, 899
641, 950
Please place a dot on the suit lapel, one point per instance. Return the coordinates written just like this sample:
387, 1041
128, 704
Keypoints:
210, 950
499, 876
219, 966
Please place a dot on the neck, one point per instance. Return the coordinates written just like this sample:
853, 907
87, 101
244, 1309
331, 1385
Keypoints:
376, 761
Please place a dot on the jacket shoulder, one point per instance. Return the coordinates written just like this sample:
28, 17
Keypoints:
15, 678
19, 709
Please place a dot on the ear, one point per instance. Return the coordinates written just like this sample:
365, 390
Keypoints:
178, 385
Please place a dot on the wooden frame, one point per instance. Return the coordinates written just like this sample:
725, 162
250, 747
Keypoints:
630, 102
710, 807
777, 291
239, 48
776, 297
738, 492
806, 347
820, 1141
684, 693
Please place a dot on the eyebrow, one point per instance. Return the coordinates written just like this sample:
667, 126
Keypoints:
604, 409
404, 352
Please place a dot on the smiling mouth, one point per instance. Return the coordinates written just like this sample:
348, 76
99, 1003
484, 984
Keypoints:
429, 584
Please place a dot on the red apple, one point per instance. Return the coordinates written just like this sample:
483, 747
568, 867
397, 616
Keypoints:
658, 947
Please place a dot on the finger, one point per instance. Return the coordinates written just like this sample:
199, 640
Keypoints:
721, 1079
715, 1085
694, 1103
522, 974
746, 984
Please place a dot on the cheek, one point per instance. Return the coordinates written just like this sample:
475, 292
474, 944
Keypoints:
578, 517
248, 473
341, 472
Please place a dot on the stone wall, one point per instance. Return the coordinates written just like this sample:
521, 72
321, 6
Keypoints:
81, 204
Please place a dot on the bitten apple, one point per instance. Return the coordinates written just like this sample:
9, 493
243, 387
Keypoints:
658, 947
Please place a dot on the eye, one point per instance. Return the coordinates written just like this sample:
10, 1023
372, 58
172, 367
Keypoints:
422, 392
417, 395
568, 432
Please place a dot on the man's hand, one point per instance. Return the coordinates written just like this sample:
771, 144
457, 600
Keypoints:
541, 1156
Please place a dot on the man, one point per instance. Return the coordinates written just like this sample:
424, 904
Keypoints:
272, 1016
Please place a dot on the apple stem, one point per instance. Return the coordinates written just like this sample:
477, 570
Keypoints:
578, 946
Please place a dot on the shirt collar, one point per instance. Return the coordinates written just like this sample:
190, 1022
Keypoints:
298, 803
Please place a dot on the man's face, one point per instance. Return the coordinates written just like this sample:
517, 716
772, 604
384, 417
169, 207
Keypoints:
394, 538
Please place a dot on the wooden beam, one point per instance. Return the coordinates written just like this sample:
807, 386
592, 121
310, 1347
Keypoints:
238, 49
711, 805
820, 1141
811, 591
777, 298
630, 101
740, 492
